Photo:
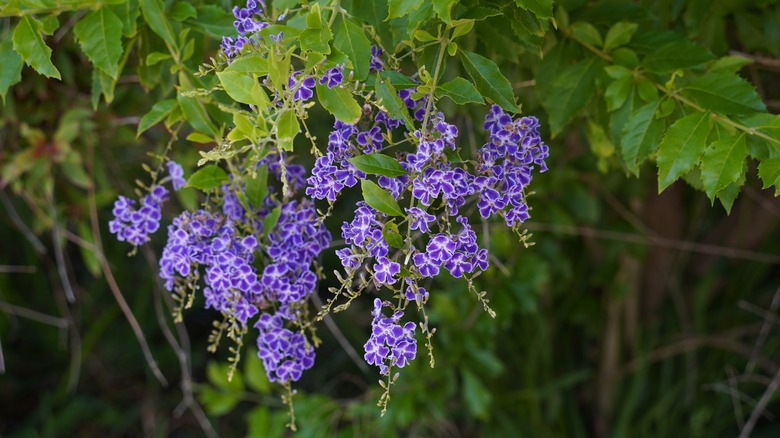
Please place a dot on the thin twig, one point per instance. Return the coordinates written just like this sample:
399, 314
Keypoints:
2, 358
16, 269
19, 223
33, 315
662, 242
342, 340
769, 317
58, 254
112, 284
759, 409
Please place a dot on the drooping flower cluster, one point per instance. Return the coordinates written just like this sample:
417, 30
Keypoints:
248, 21
390, 343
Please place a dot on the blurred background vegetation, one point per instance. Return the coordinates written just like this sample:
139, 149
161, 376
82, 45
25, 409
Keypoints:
635, 314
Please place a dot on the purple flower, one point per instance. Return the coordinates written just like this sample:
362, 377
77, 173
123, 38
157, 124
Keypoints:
419, 219
303, 91
376, 63
389, 343
385, 270
177, 175
332, 77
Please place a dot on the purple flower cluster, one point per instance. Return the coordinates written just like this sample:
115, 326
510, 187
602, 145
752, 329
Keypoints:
176, 174
248, 21
390, 344
332, 171
285, 354
134, 225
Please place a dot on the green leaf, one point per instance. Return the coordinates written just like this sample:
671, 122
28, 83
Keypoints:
541, 8
379, 199
11, 73
257, 188
182, 11
128, 12
769, 171
399, 80
254, 64
640, 136
476, 395
156, 57
617, 93
676, 56
350, 39
489, 80
213, 21
243, 88
725, 93
100, 36
392, 236
270, 221
682, 147
399, 8
460, 90
728, 195
195, 113
378, 164
155, 17
588, 33
157, 114
723, 163
287, 129
391, 103
208, 177
339, 102
619, 34
255, 374
29, 44
731, 64
443, 9
570, 92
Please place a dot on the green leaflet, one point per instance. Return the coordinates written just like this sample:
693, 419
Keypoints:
393, 105
157, 114
378, 164
100, 36
682, 147
640, 136
676, 56
195, 113
29, 44
392, 236
723, 163
769, 171
257, 188
489, 80
617, 92
339, 102
207, 178
443, 9
570, 92
460, 91
254, 64
244, 88
725, 93
11, 73
399, 8
619, 34
288, 128
154, 15
379, 199
271, 220
541, 8
350, 39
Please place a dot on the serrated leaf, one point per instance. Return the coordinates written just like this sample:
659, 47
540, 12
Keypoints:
570, 92
443, 9
257, 188
619, 34
287, 129
730, 64
617, 92
588, 33
725, 93
128, 12
640, 136
155, 17
253, 64
378, 164
541, 8
392, 236
681, 147
350, 39
392, 104
489, 81
728, 195
399, 8
243, 88
100, 36
12, 63
723, 163
460, 91
379, 199
208, 177
339, 102
29, 44
769, 171
679, 55
157, 114
270, 221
